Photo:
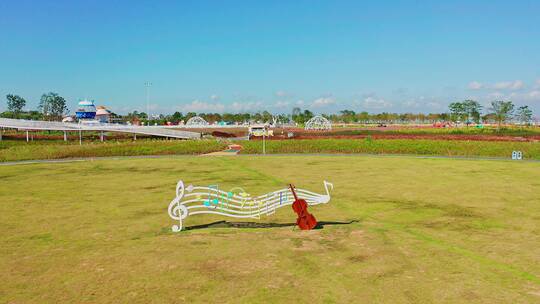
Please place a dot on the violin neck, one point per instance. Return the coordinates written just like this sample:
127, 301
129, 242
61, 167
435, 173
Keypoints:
293, 192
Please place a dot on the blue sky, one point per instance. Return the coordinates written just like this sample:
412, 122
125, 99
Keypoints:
229, 56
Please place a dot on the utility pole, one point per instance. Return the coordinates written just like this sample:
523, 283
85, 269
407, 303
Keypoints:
148, 84
264, 142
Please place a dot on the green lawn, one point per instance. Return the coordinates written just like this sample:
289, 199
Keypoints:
451, 148
12, 150
428, 230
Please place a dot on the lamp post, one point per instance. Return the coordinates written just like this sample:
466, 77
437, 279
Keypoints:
264, 141
148, 84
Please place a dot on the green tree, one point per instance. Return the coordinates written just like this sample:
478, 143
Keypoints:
15, 104
266, 116
348, 116
189, 115
457, 111
502, 111
177, 117
524, 115
363, 117
472, 111
53, 105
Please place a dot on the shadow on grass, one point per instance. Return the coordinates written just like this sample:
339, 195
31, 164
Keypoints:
226, 224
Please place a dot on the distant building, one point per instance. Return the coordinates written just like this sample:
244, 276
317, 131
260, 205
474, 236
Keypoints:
259, 130
103, 115
68, 119
86, 110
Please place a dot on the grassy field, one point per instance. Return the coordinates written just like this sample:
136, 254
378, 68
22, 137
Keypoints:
12, 150
531, 150
20, 150
427, 230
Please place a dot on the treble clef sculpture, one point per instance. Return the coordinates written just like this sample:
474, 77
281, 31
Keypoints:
176, 210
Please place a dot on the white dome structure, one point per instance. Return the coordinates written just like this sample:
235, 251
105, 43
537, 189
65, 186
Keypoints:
318, 123
196, 121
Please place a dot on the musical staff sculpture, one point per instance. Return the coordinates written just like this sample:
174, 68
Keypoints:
192, 200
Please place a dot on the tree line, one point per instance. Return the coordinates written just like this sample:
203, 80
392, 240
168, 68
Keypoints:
500, 111
53, 107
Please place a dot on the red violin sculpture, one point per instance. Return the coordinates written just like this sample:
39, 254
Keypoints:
305, 220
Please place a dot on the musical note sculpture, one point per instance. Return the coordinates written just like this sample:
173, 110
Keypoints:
192, 200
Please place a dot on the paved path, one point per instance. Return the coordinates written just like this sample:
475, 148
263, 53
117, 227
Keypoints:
69, 160
232, 150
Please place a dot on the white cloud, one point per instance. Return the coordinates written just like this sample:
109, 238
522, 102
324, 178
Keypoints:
300, 103
214, 97
537, 84
245, 106
282, 94
202, 106
411, 104
509, 85
281, 104
526, 96
323, 102
375, 103
496, 95
502, 85
209, 107
475, 85
534, 94
154, 107
434, 105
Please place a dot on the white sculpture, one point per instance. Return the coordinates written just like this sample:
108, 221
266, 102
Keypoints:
318, 123
196, 121
212, 200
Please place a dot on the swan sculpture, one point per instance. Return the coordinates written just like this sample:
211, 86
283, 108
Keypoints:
192, 200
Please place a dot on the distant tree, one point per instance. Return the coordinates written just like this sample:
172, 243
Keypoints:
266, 116
176, 117
489, 118
15, 104
457, 111
445, 116
282, 118
472, 111
301, 117
524, 115
53, 105
348, 116
363, 117
502, 111
307, 115
189, 115
257, 117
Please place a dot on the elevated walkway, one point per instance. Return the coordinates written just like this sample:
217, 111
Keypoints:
29, 125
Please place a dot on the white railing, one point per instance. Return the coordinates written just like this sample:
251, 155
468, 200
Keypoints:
22, 124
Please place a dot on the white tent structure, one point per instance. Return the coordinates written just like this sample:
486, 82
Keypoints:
196, 121
318, 123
